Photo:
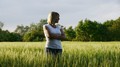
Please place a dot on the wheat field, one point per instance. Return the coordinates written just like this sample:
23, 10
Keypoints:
75, 54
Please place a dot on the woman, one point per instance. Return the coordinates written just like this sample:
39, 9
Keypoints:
54, 34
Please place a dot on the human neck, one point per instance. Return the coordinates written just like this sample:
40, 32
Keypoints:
53, 25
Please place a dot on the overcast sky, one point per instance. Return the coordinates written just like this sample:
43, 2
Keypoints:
17, 12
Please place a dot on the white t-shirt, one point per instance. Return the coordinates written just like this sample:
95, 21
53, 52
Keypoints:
53, 43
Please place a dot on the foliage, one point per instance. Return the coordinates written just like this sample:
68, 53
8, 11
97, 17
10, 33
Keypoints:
35, 32
86, 30
5, 35
9, 36
79, 31
90, 31
75, 54
1, 24
21, 29
70, 33
113, 27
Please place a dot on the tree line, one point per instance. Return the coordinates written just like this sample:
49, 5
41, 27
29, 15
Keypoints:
86, 30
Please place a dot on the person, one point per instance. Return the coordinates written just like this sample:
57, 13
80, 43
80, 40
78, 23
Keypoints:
54, 34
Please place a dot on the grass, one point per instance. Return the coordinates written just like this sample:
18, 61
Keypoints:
75, 54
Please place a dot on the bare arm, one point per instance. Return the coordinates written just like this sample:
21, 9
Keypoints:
62, 34
53, 36
49, 34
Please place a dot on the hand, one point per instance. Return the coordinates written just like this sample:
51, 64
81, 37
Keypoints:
57, 35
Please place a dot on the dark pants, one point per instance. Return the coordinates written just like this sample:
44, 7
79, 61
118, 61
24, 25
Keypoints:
54, 52
55, 55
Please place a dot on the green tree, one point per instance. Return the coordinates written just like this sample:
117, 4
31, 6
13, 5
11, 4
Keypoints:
5, 35
90, 31
79, 31
108, 24
35, 32
21, 29
1, 24
70, 33
115, 29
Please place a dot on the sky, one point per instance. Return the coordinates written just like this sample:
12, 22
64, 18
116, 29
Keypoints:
25, 12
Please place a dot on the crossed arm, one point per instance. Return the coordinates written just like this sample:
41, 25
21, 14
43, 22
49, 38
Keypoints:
54, 36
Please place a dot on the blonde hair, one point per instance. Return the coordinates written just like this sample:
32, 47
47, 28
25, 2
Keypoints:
51, 17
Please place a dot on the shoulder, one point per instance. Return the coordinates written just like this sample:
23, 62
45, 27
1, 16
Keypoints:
59, 26
45, 25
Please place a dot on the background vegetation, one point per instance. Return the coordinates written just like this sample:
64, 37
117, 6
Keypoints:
86, 30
